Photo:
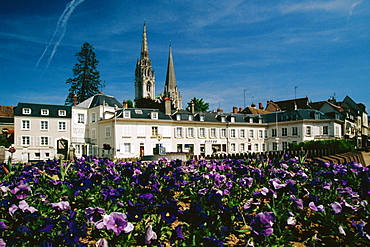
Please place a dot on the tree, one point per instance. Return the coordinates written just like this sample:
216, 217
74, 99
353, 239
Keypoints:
86, 78
199, 104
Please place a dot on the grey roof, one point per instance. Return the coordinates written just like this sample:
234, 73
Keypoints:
36, 110
99, 100
140, 113
299, 114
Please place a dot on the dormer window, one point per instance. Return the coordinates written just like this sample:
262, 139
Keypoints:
223, 119
201, 118
126, 114
191, 117
62, 113
44, 112
154, 115
178, 117
26, 111
232, 119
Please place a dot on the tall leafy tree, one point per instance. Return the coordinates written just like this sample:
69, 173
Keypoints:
86, 78
199, 104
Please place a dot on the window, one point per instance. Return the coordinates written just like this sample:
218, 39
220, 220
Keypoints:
191, 132
191, 117
212, 133
44, 141
223, 119
325, 130
260, 134
25, 140
61, 126
47, 155
44, 125
126, 114
284, 131
37, 155
154, 130
80, 118
251, 134
179, 132
202, 132
256, 147
295, 131
223, 133
178, 117
273, 133
308, 130
26, 111
93, 133
232, 119
266, 135
285, 145
232, 147
274, 146
263, 147
44, 112
107, 131
249, 147
25, 124
62, 113
232, 133
93, 117
201, 118
127, 148
242, 147
242, 133
154, 115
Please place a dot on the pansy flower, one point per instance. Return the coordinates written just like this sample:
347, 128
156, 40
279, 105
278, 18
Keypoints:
150, 235
262, 223
169, 213
117, 222
21, 191
94, 214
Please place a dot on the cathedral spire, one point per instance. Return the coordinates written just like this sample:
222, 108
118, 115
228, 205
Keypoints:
170, 88
144, 73
144, 45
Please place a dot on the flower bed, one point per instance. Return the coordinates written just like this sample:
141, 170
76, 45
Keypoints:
98, 202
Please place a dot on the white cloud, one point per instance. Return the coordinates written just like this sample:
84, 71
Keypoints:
340, 6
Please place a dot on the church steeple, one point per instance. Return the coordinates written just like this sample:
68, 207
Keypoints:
144, 73
170, 88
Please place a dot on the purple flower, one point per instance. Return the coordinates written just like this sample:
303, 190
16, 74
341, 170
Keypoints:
23, 205
319, 208
2, 243
64, 205
118, 223
2, 225
212, 241
297, 201
22, 191
150, 235
169, 213
179, 233
291, 220
261, 224
336, 207
102, 243
94, 214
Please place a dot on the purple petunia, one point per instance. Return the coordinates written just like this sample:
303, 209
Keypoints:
117, 222
261, 224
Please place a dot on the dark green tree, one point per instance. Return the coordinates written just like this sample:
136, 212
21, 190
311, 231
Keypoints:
199, 104
86, 78
130, 104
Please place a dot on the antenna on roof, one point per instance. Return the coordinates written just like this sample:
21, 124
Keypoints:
295, 92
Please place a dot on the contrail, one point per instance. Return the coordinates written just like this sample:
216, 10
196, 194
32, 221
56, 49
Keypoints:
59, 30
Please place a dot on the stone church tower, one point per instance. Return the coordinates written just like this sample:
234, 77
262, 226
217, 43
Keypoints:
144, 73
170, 88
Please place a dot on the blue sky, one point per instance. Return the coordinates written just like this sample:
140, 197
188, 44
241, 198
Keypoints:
225, 52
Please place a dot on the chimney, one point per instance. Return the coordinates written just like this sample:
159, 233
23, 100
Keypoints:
240, 109
167, 106
219, 110
75, 100
260, 106
235, 109
192, 107
125, 104
253, 105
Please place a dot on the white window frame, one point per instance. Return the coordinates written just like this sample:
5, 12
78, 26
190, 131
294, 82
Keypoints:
202, 132
154, 115
232, 147
242, 133
212, 133
127, 148
284, 131
25, 141
260, 134
126, 114
179, 132
308, 131
93, 133
93, 117
107, 131
190, 132
223, 133
26, 124
81, 118
242, 147
294, 131
62, 126
62, 113
26, 111
232, 133
251, 134
44, 125
44, 141
44, 112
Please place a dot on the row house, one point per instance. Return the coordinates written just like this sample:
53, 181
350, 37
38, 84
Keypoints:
41, 131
